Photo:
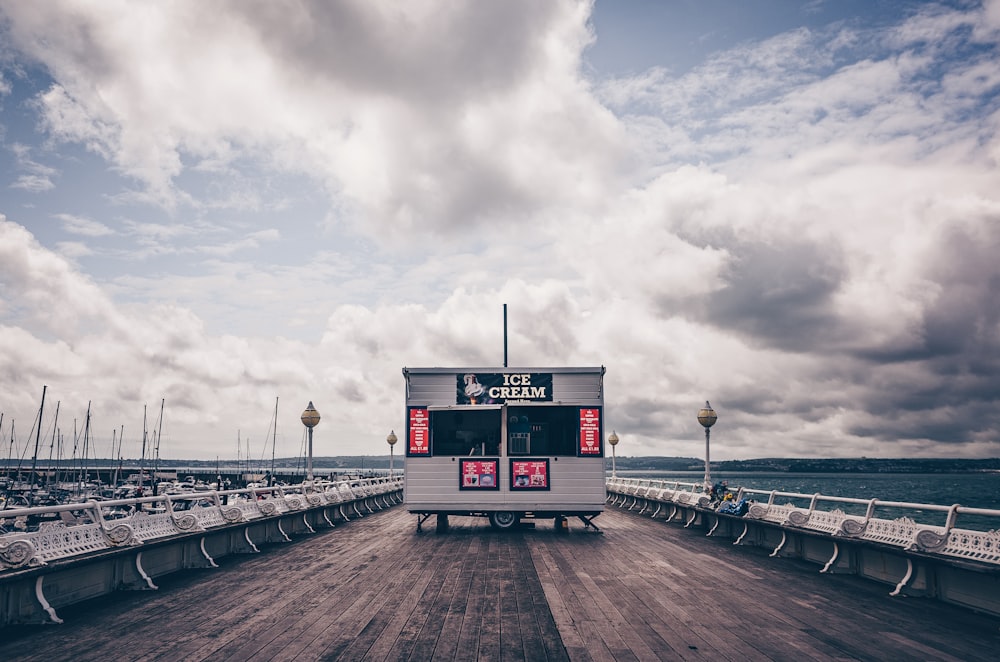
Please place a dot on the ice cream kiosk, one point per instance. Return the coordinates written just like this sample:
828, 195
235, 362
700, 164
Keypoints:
510, 444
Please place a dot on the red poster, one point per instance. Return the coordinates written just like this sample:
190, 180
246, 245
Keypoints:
478, 474
529, 474
590, 432
419, 432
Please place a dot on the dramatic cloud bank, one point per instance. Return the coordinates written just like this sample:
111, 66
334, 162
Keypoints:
217, 209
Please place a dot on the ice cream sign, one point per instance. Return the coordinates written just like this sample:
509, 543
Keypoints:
496, 388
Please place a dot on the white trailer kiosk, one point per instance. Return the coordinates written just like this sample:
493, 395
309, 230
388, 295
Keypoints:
505, 443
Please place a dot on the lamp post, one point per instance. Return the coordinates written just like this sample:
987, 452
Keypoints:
613, 440
310, 419
707, 417
391, 440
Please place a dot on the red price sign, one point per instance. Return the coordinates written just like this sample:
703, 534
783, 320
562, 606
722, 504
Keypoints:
590, 432
419, 432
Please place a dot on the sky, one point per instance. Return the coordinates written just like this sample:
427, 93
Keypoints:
788, 208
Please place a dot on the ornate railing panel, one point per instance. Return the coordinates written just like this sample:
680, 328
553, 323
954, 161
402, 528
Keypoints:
905, 532
95, 526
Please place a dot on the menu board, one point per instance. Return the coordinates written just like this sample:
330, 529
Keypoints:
478, 474
529, 475
419, 437
590, 432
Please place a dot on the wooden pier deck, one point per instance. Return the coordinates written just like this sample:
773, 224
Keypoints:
374, 589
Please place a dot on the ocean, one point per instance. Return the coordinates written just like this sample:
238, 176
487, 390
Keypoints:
974, 490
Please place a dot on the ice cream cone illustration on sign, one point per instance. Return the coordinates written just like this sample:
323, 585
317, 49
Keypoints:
473, 389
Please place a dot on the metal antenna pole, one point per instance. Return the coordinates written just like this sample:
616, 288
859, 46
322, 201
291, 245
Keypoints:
505, 335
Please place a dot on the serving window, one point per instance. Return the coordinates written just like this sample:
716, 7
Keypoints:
542, 430
466, 431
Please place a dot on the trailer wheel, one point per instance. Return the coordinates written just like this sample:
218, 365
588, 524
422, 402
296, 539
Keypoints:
503, 520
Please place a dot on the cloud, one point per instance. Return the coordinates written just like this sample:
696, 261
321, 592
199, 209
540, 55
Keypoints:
252, 240
763, 102
33, 183
42, 291
801, 230
38, 177
84, 226
89, 350
468, 117
73, 249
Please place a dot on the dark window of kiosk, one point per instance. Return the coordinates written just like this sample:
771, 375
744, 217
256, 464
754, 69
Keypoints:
542, 430
466, 432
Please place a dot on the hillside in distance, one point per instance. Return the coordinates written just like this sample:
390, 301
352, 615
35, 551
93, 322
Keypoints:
648, 463
813, 465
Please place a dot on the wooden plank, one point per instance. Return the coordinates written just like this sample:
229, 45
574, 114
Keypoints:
476, 606
642, 630
458, 589
489, 624
387, 621
538, 629
573, 641
428, 602
373, 589
590, 631
511, 639
302, 605
360, 612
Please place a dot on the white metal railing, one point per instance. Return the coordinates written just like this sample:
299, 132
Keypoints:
36, 536
842, 517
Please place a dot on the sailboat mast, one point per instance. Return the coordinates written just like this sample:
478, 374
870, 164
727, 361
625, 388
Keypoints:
83, 456
73, 471
118, 469
114, 434
274, 442
19, 456
6, 465
142, 459
55, 427
38, 435
10, 454
60, 472
159, 433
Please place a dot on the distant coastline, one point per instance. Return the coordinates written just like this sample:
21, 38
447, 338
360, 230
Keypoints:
814, 465
647, 463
